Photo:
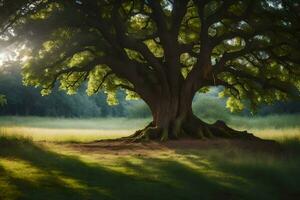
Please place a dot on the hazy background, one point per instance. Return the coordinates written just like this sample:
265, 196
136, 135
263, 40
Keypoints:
27, 101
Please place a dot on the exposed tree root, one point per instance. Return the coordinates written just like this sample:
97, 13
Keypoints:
219, 128
190, 128
197, 128
148, 133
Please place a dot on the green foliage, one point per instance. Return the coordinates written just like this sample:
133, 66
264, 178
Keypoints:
155, 48
2, 100
137, 109
95, 79
234, 104
27, 100
249, 47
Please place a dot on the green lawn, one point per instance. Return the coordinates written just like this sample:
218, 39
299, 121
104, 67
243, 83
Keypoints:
70, 130
222, 169
88, 130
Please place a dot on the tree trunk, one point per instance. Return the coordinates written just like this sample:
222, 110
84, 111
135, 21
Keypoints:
173, 118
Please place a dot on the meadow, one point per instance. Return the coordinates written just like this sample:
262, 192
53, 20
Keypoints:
88, 130
58, 158
69, 130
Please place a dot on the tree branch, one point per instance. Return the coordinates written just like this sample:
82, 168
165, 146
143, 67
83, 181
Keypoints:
103, 80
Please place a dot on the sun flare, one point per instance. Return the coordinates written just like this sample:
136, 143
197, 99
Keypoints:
3, 58
13, 53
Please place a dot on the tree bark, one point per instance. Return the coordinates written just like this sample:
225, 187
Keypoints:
173, 118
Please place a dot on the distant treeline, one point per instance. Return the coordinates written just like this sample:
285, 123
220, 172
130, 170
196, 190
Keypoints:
25, 101
22, 100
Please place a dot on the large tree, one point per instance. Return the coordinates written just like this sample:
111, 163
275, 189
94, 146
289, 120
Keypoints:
163, 51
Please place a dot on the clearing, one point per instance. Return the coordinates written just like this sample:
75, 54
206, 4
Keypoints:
38, 166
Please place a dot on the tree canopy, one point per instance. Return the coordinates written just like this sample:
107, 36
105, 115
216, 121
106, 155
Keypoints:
162, 51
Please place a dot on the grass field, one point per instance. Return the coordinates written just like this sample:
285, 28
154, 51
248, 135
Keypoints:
69, 130
38, 162
88, 130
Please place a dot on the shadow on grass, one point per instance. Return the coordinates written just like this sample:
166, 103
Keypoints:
171, 181
208, 175
256, 174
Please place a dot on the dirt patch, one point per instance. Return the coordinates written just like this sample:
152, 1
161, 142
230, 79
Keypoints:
124, 148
